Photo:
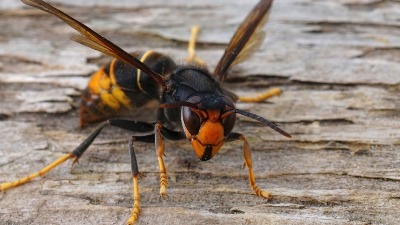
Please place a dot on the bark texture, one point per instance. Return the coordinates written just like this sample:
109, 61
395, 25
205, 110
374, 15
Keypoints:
337, 63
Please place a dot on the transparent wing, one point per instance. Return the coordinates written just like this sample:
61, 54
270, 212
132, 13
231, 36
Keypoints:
93, 45
246, 40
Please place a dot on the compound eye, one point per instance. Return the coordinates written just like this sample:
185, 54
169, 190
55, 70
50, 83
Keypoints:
228, 123
191, 120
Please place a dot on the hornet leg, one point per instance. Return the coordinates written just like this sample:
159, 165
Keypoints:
135, 177
166, 133
248, 163
192, 58
160, 153
261, 97
12, 184
125, 124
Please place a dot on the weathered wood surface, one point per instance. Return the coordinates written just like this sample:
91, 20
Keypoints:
336, 61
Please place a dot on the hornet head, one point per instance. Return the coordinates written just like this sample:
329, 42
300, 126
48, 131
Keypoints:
208, 124
208, 119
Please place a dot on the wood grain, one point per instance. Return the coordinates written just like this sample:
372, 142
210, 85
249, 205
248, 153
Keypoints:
336, 61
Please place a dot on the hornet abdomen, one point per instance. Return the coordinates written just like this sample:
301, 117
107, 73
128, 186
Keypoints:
120, 87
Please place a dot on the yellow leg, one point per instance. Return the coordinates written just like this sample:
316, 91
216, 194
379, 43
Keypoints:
136, 207
192, 58
261, 97
163, 177
160, 154
248, 162
5, 186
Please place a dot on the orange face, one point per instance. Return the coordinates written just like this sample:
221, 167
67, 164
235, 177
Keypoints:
206, 130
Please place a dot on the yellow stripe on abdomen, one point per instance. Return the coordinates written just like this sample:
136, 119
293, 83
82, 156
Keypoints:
144, 57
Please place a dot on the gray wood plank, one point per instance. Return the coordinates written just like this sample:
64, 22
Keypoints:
336, 62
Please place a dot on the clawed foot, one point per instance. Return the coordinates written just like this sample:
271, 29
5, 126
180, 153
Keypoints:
163, 185
163, 192
134, 216
262, 193
265, 194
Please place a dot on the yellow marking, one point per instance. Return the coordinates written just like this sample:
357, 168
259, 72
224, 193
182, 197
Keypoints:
5, 186
262, 96
105, 82
94, 86
121, 97
136, 207
110, 100
145, 55
112, 74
